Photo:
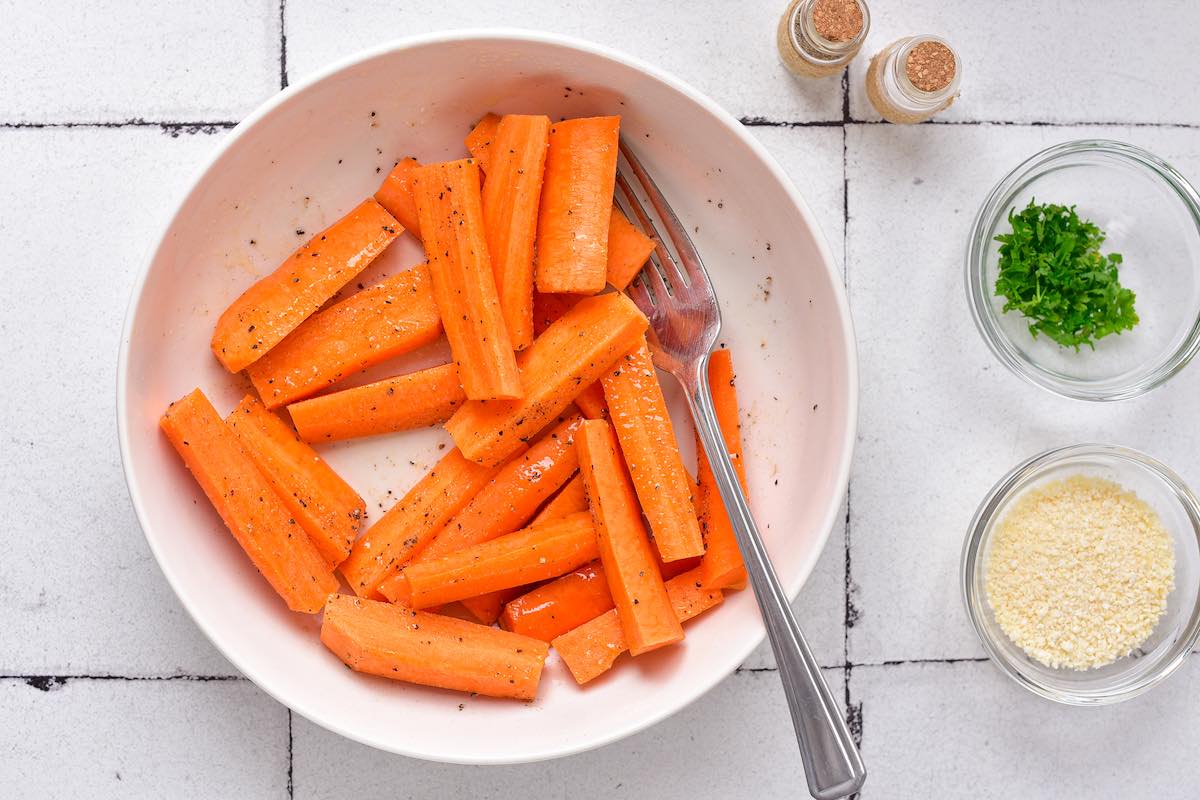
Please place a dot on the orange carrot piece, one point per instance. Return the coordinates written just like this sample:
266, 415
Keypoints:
416, 400
249, 506
274, 307
395, 194
547, 308
639, 415
590, 650
510, 211
410, 524
325, 506
577, 191
559, 606
378, 323
722, 566
628, 249
536, 553
572, 498
486, 608
625, 549
479, 140
572, 353
592, 403
430, 649
449, 205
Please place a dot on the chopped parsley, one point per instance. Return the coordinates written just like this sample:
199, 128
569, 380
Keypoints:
1052, 271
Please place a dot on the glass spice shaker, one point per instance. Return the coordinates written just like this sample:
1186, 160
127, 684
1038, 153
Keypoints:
817, 38
912, 79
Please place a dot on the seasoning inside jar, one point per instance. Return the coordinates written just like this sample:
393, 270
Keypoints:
817, 38
1078, 572
912, 79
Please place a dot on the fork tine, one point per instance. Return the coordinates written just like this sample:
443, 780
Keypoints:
641, 296
688, 254
651, 230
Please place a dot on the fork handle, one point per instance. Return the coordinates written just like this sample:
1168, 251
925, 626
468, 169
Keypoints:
832, 764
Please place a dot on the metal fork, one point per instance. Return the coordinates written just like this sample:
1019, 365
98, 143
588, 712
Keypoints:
685, 320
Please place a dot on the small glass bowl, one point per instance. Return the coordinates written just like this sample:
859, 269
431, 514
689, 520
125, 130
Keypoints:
1151, 216
1178, 628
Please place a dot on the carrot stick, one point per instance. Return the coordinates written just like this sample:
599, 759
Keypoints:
410, 524
506, 503
325, 506
250, 508
510, 210
572, 498
628, 249
625, 549
572, 236
272, 308
722, 566
547, 308
479, 140
486, 608
449, 206
561, 605
395, 194
532, 554
592, 403
590, 650
416, 400
378, 323
639, 416
417, 647
572, 353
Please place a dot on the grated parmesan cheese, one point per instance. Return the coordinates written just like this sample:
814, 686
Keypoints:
1078, 572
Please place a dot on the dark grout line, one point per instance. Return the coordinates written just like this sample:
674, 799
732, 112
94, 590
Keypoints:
283, 71
906, 661
291, 760
175, 128
47, 683
764, 122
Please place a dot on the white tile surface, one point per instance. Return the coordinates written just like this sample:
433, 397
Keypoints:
65, 61
734, 742
964, 730
79, 590
941, 420
725, 50
142, 739
1068, 61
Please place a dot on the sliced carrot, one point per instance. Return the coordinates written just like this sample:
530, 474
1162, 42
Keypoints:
572, 236
486, 608
571, 498
625, 549
510, 210
417, 647
592, 403
410, 524
371, 326
395, 194
249, 506
547, 308
722, 566
639, 415
325, 506
536, 553
590, 650
416, 400
506, 503
479, 140
572, 353
628, 249
274, 307
449, 206
561, 605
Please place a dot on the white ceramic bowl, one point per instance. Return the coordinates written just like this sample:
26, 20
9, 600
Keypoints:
312, 152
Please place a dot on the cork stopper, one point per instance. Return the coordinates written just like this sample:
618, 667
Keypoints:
837, 20
930, 66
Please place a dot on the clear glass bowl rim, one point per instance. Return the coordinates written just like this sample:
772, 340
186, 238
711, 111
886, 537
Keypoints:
979, 295
976, 603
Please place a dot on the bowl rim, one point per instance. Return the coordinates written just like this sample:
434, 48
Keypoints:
979, 295
849, 356
970, 566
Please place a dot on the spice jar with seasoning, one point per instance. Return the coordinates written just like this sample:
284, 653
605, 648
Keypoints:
817, 38
912, 79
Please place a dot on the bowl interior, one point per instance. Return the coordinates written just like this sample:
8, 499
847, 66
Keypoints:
312, 154
1175, 633
1149, 223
